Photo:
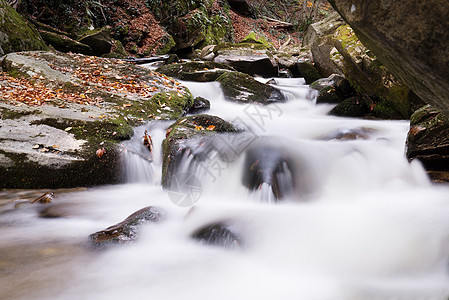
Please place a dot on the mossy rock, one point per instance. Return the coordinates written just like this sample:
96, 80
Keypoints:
173, 103
16, 34
168, 44
185, 129
354, 107
240, 87
195, 71
117, 51
428, 141
254, 38
99, 40
64, 43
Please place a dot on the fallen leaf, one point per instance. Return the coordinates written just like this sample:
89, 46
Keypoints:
100, 152
211, 127
68, 129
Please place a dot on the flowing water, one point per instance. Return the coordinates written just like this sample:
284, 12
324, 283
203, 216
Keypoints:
358, 221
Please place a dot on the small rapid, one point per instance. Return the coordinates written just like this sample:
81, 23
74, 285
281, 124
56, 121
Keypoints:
338, 213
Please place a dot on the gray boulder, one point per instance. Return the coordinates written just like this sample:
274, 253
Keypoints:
409, 38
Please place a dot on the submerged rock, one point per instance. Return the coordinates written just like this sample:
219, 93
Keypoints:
428, 142
200, 104
244, 88
271, 165
189, 128
217, 234
127, 230
45, 198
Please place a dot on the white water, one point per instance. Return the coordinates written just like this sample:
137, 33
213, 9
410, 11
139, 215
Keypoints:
362, 222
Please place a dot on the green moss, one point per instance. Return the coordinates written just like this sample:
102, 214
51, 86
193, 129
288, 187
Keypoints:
17, 35
178, 103
168, 44
254, 38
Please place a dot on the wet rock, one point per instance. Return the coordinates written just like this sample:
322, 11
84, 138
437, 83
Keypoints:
127, 230
45, 198
58, 134
195, 71
353, 107
16, 34
410, 39
349, 135
251, 58
200, 104
217, 234
174, 146
99, 40
428, 141
333, 89
271, 165
243, 88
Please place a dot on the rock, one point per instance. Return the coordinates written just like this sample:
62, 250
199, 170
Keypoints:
15, 33
243, 88
195, 71
45, 198
322, 28
341, 52
333, 89
428, 141
199, 105
99, 40
271, 165
64, 43
194, 24
179, 133
207, 53
362, 133
72, 114
249, 58
352, 107
217, 234
126, 231
410, 39
307, 70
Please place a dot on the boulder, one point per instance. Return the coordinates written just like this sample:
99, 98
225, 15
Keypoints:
333, 89
64, 120
353, 107
63, 43
409, 38
99, 40
249, 58
195, 70
270, 165
174, 146
15, 33
126, 231
243, 88
322, 28
217, 234
342, 53
428, 142
200, 104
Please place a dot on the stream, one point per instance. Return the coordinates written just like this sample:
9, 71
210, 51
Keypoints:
358, 221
